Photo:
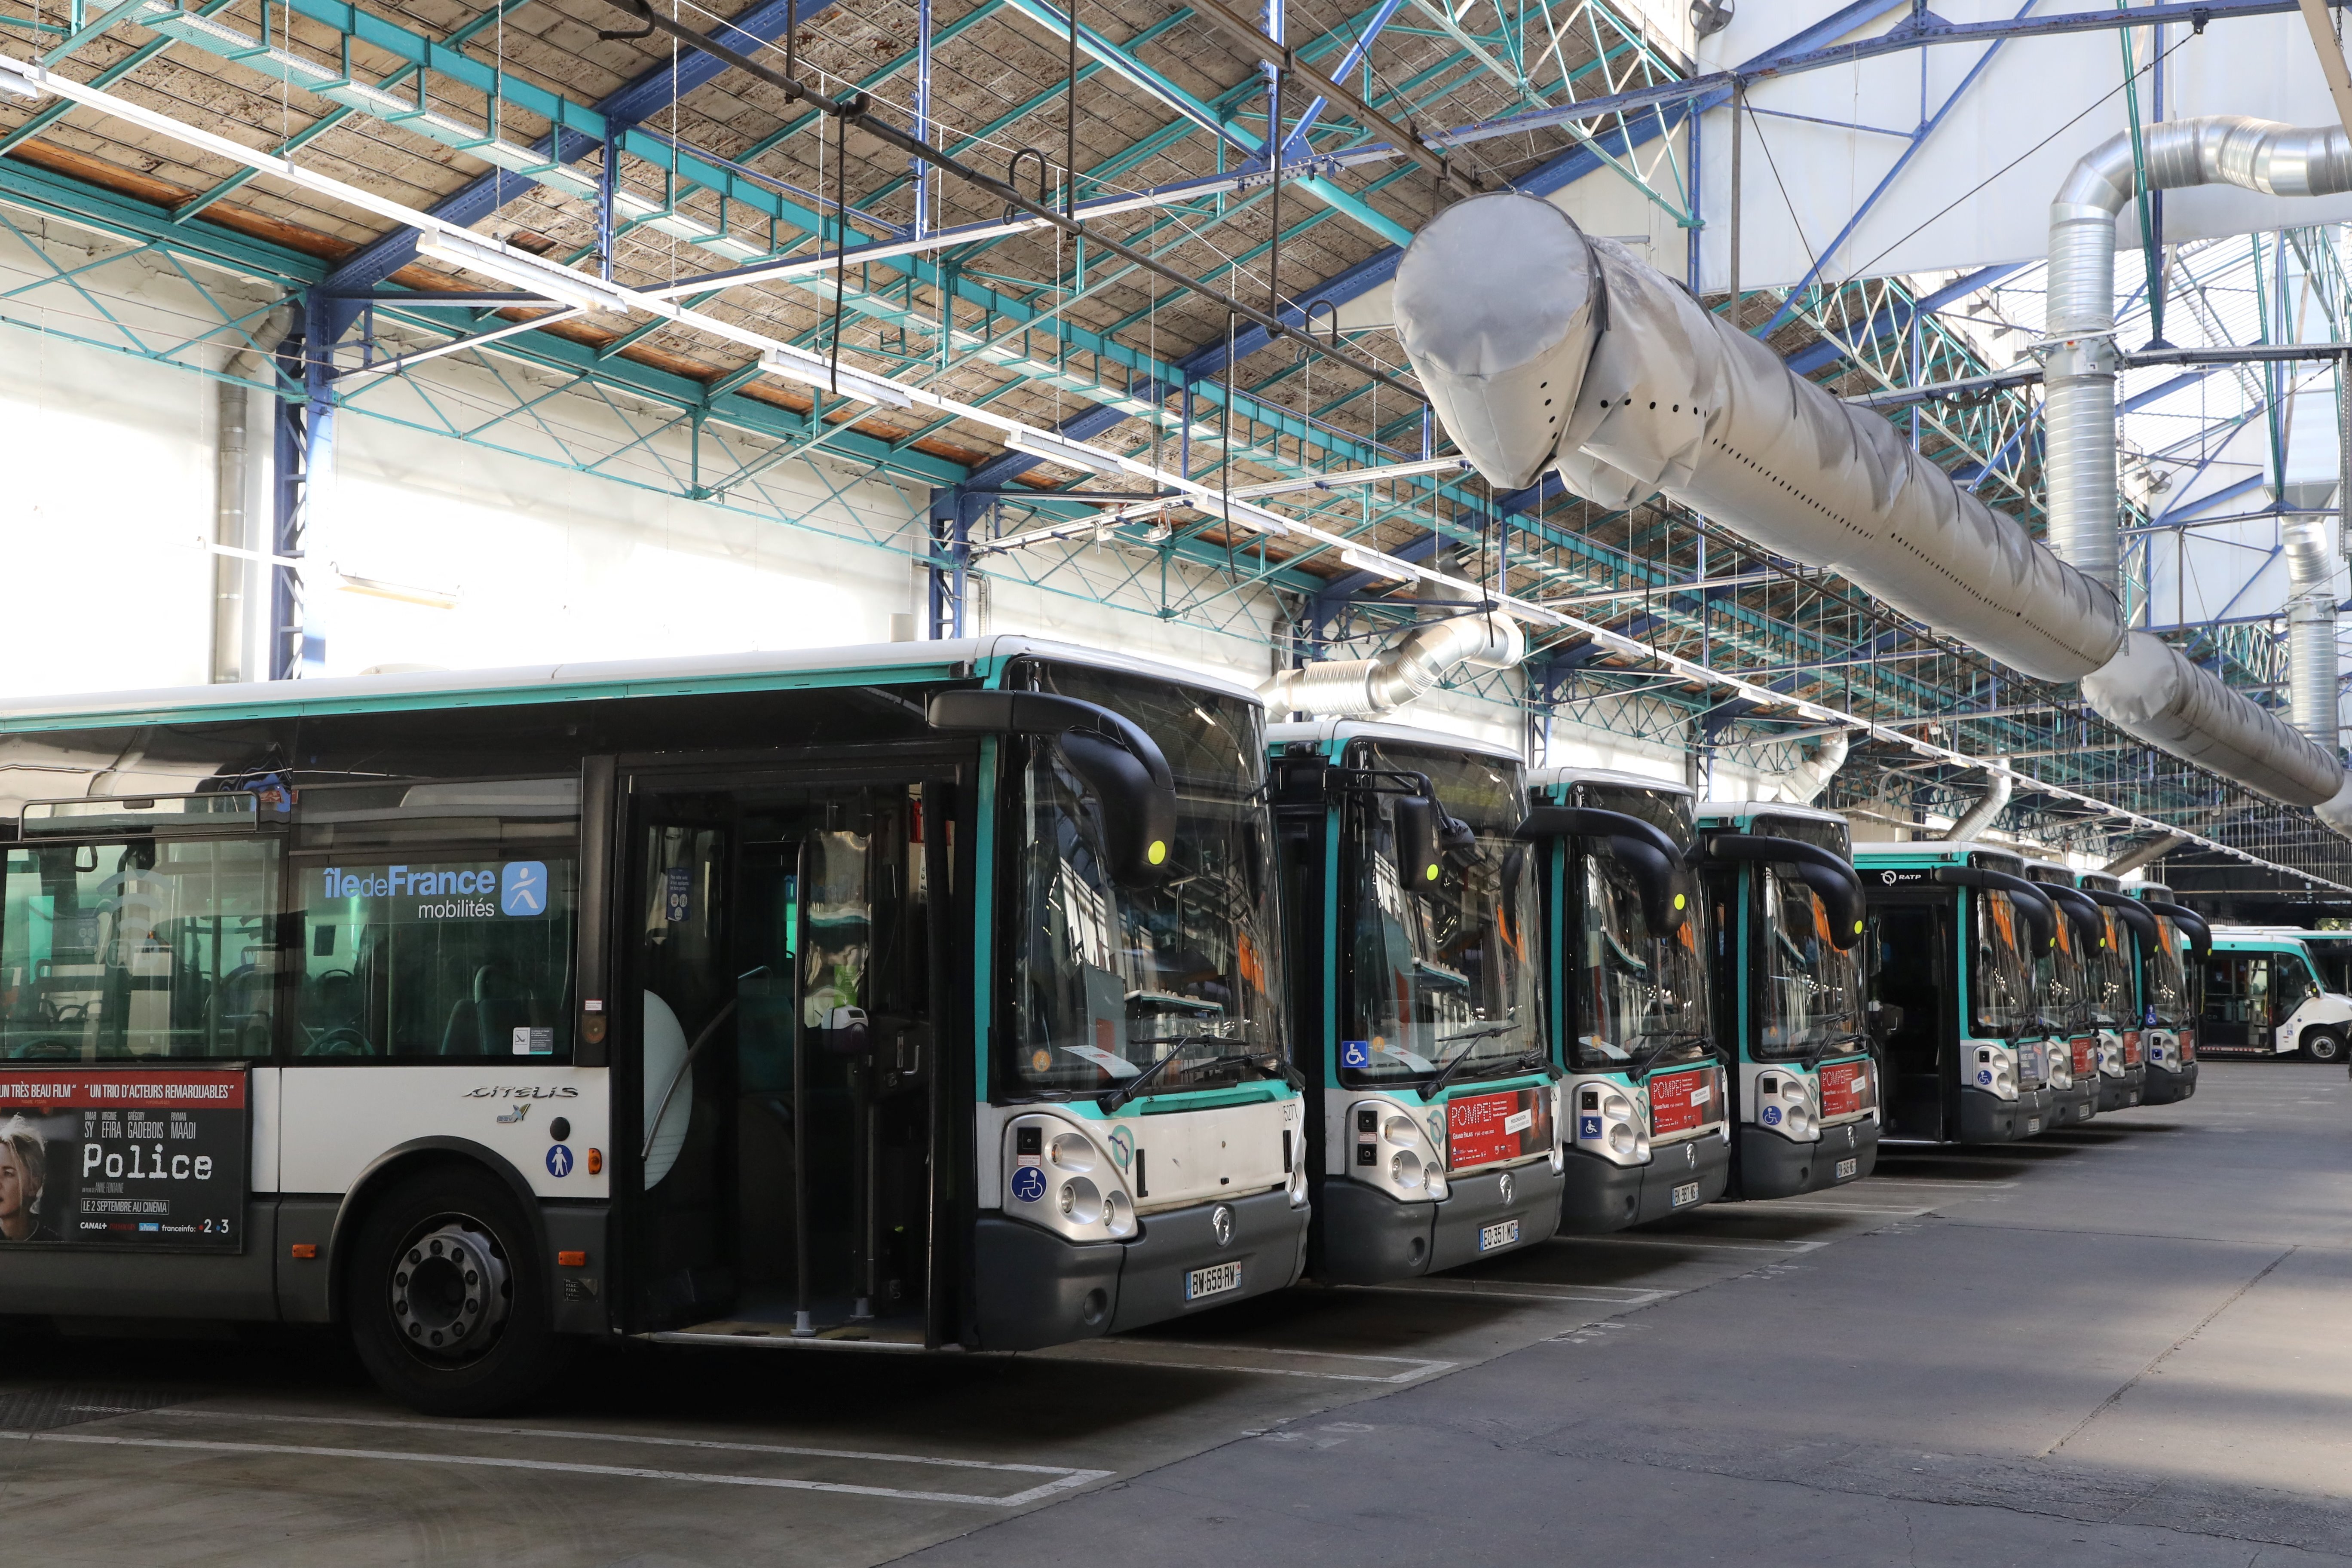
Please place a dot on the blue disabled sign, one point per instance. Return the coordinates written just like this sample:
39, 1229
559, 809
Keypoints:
1355, 1052
1028, 1184
559, 1161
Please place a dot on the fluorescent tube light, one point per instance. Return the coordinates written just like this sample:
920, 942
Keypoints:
493, 260
811, 371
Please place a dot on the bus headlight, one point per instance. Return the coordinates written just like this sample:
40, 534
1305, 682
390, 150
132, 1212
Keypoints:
1394, 1151
1059, 1178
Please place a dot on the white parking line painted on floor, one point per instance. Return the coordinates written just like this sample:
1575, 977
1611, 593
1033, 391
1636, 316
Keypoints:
565, 1434
1524, 1290
634, 1472
1790, 1205
1757, 1245
1415, 1368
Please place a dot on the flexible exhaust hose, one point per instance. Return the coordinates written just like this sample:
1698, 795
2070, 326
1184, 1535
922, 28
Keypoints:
1802, 785
1981, 815
1542, 348
1408, 668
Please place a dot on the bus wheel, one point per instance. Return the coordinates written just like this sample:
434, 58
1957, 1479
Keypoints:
449, 1307
2324, 1045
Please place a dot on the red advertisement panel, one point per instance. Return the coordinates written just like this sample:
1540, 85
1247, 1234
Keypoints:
2131, 1047
2188, 1045
1489, 1127
122, 1157
1681, 1100
1845, 1088
2086, 1056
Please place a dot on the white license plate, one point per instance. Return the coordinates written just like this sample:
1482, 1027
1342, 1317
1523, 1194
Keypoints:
1847, 1168
1685, 1193
1494, 1235
1213, 1282
2033, 1124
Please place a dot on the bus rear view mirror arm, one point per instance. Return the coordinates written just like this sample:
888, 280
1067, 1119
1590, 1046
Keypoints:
1829, 875
1134, 788
2027, 896
2192, 925
2079, 910
2130, 910
1641, 847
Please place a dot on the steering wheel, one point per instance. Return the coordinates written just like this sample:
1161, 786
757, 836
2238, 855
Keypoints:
340, 1041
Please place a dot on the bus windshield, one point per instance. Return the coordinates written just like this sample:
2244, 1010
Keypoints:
2113, 1001
1443, 972
1812, 989
2167, 984
2062, 981
1109, 982
1641, 993
2331, 955
2001, 979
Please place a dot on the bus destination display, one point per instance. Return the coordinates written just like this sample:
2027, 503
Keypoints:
124, 1157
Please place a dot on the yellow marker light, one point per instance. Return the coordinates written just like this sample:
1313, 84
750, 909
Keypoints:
1678, 900
1857, 927
1157, 852
1430, 875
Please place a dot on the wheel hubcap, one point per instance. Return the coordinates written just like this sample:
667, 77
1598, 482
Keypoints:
449, 1290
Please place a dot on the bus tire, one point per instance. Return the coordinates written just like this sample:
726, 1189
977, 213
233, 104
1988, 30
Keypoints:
448, 1304
2324, 1045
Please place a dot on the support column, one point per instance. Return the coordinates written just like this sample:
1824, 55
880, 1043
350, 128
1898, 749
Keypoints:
952, 514
303, 454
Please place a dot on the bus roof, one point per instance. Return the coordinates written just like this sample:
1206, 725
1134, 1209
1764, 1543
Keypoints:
879, 663
1930, 852
1544, 778
1748, 810
1323, 730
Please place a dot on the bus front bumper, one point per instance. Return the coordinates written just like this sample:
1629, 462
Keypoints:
1988, 1118
1034, 1288
1364, 1237
2072, 1107
2123, 1093
2164, 1086
1602, 1197
1772, 1166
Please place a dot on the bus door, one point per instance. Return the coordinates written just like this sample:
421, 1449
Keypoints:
1914, 980
2237, 1001
786, 942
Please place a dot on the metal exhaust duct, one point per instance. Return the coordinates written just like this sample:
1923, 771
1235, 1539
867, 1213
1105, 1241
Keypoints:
1542, 348
1802, 785
1407, 669
1989, 806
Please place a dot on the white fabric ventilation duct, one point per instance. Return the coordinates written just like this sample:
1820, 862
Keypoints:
1986, 810
1406, 668
1802, 784
1542, 348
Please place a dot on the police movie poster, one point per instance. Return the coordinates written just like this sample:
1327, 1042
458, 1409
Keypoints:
123, 1158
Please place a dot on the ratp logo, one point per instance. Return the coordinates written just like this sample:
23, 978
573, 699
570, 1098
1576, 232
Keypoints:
523, 888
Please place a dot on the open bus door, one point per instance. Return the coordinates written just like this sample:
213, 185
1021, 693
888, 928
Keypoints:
789, 968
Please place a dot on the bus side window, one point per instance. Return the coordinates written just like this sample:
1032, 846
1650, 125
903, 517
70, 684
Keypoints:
441, 956
136, 949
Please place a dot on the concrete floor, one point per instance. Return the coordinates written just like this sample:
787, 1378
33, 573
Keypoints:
2125, 1345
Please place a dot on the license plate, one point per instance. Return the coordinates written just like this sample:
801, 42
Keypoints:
1847, 1168
1685, 1193
1494, 1235
2033, 1124
1213, 1282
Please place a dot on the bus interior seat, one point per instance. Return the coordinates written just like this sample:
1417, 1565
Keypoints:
483, 1024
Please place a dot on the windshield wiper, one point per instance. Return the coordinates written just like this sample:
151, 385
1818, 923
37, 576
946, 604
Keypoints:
1461, 1059
1639, 1067
1266, 1062
1812, 1059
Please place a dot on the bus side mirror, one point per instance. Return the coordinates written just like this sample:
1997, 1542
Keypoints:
1134, 789
1419, 856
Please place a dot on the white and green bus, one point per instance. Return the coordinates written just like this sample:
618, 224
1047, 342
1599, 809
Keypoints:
1415, 969
918, 996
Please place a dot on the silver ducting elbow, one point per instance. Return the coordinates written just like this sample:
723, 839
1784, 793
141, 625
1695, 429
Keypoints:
2337, 814
2078, 409
1802, 785
2311, 628
2140, 853
1408, 668
2151, 691
1988, 807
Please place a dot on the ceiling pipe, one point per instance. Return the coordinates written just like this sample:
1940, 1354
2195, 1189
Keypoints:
1979, 816
1542, 348
1408, 668
2151, 689
2139, 854
1802, 785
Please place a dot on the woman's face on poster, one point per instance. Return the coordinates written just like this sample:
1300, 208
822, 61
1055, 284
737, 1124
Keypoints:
14, 1195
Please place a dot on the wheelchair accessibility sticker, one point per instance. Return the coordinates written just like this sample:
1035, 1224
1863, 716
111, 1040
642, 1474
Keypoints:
1355, 1052
1028, 1184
